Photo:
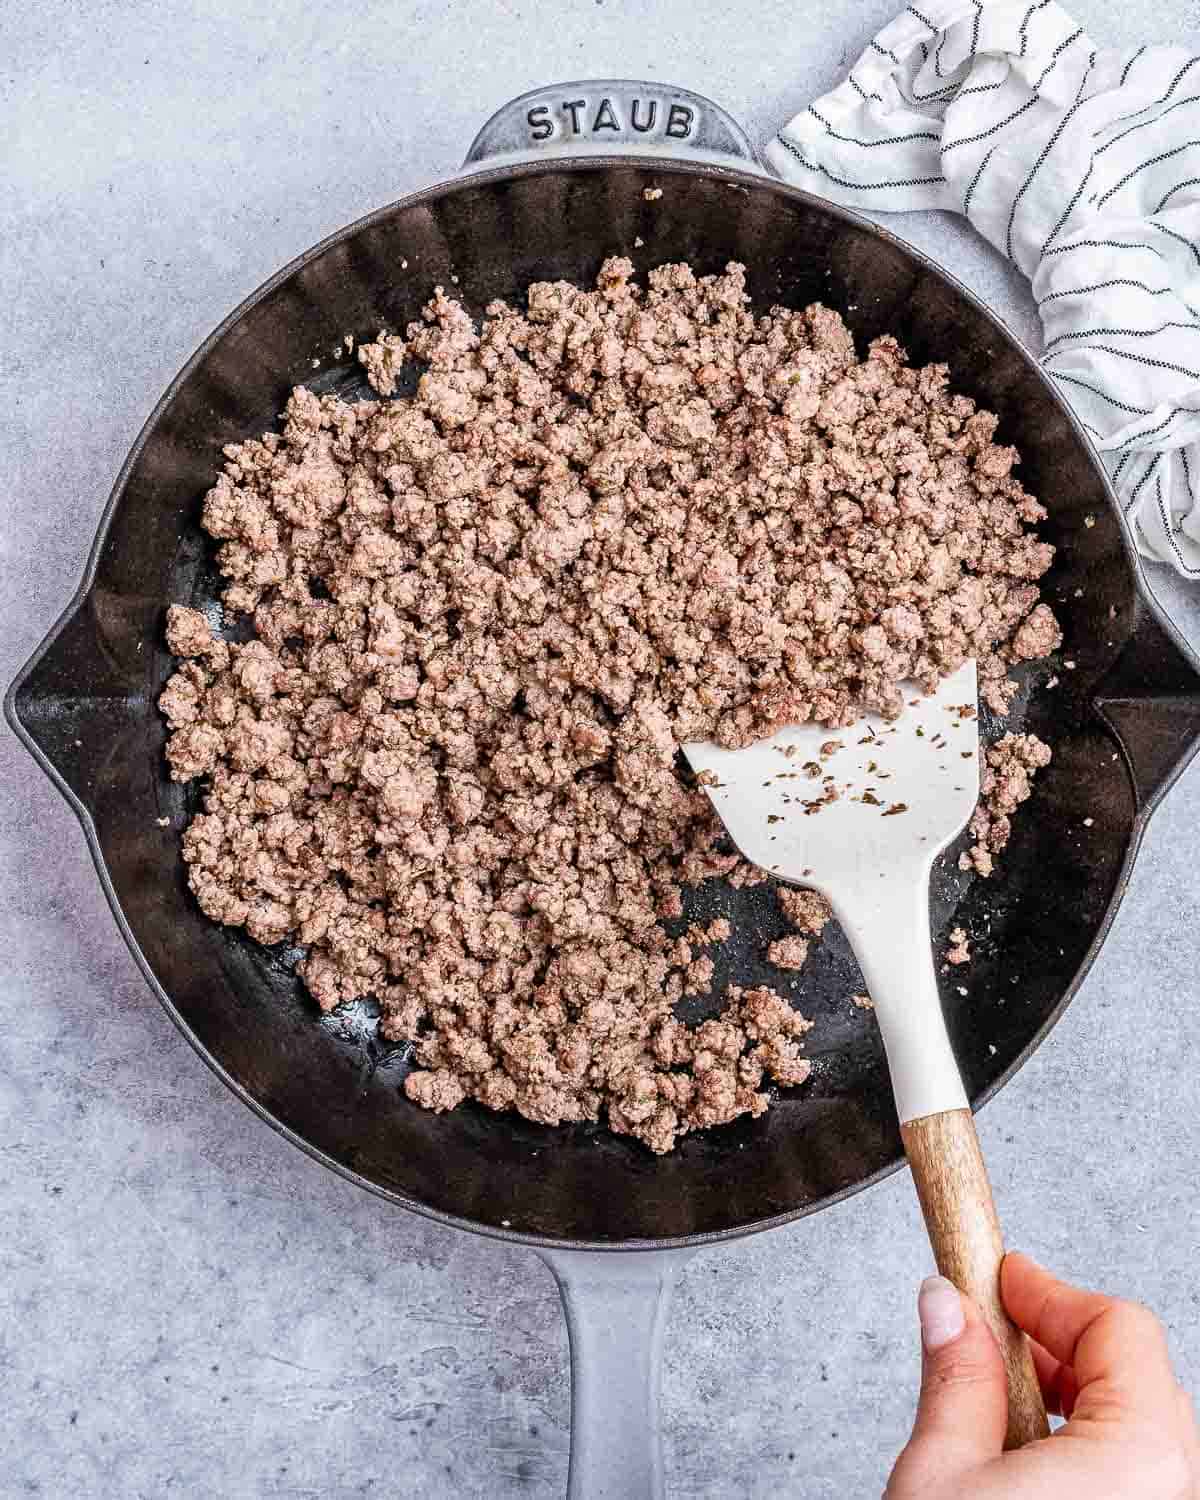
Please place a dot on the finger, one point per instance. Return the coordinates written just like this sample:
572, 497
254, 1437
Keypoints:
1118, 1346
963, 1408
1047, 1368
1050, 1311
1056, 1380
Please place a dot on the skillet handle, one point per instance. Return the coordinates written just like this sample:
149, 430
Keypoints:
964, 1230
607, 116
616, 1305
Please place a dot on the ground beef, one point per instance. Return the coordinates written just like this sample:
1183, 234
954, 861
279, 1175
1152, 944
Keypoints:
383, 360
788, 952
1037, 635
807, 910
486, 616
959, 951
1009, 768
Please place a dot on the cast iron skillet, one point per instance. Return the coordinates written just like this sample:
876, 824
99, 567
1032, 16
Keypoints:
1123, 719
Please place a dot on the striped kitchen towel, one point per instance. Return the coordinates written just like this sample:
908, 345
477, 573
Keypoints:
1080, 165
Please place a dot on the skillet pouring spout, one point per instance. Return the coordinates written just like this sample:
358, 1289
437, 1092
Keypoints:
86, 691
1150, 699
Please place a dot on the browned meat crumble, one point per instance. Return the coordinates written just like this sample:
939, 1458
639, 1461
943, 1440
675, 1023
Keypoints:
486, 617
788, 952
1009, 768
807, 910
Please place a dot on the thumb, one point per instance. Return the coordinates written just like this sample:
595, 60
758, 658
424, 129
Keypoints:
963, 1407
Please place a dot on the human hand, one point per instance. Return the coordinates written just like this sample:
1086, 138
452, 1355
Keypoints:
1103, 1365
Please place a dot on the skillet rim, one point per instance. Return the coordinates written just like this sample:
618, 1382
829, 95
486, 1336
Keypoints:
472, 179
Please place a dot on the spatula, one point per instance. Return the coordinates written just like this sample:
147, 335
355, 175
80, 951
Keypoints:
860, 815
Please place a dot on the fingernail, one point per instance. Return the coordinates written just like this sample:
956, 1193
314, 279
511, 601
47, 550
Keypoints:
940, 1310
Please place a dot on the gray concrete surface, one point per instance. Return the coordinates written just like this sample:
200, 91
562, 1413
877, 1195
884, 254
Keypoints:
187, 1304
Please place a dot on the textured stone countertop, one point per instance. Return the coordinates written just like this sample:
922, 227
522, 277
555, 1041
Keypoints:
189, 1305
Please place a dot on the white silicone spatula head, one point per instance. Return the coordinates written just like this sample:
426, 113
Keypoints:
860, 814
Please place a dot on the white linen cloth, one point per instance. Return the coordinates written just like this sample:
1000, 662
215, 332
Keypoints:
1080, 165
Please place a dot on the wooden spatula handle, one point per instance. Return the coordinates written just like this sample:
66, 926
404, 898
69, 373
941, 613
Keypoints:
960, 1215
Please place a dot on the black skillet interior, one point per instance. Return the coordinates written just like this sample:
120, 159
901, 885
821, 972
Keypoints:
88, 703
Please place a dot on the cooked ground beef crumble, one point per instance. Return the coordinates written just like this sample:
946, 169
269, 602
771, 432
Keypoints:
487, 616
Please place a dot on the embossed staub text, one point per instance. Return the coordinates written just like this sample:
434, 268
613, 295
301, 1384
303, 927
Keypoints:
611, 117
